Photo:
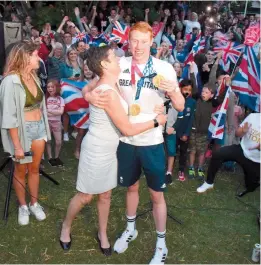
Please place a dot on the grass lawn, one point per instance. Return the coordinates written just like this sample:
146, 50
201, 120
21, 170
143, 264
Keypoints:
217, 227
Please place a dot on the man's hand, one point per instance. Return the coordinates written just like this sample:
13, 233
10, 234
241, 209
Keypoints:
170, 130
77, 11
94, 10
256, 147
184, 138
159, 109
205, 67
168, 85
228, 80
65, 19
70, 23
246, 127
219, 55
191, 67
53, 43
167, 12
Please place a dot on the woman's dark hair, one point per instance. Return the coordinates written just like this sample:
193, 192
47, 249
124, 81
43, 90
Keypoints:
94, 56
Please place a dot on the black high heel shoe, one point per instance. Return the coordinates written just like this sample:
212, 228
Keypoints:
105, 251
66, 245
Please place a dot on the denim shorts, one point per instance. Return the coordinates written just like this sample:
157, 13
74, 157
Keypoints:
36, 130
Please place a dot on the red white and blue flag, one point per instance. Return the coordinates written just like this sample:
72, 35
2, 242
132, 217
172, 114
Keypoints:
231, 51
220, 37
218, 119
198, 46
120, 32
98, 41
75, 105
246, 83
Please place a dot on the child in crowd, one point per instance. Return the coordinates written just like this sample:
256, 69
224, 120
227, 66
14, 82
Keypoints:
183, 124
170, 139
55, 109
199, 135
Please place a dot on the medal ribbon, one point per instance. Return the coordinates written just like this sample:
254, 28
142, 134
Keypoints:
135, 69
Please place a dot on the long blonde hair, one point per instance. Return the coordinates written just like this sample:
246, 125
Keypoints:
18, 57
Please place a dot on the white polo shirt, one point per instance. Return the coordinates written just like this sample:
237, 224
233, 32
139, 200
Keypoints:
150, 96
252, 137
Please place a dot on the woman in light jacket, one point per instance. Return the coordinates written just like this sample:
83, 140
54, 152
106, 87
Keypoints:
23, 123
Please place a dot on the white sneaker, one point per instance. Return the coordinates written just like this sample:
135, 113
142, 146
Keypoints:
66, 137
37, 211
160, 256
74, 134
23, 215
122, 243
204, 187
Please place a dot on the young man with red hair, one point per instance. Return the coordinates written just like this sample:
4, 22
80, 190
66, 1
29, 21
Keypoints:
142, 89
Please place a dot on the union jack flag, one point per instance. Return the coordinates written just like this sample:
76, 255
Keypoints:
75, 105
231, 51
195, 49
218, 119
98, 41
120, 32
80, 36
220, 37
246, 82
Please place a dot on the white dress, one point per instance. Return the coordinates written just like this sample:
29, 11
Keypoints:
97, 170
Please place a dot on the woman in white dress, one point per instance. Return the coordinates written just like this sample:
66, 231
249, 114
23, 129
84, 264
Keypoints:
97, 171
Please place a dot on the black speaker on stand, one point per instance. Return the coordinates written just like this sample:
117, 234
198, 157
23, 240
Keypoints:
10, 33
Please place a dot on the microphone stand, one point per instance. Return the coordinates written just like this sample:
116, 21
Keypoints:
10, 161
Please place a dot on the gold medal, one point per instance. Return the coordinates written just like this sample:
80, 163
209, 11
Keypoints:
156, 80
134, 110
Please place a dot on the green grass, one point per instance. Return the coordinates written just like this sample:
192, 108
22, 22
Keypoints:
217, 227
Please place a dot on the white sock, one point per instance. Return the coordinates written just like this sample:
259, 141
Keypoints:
161, 243
168, 172
131, 222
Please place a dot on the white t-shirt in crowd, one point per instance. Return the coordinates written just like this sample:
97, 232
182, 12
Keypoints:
150, 96
190, 25
252, 137
54, 103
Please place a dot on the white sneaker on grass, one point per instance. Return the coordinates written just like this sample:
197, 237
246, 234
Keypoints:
74, 134
122, 243
204, 187
37, 211
160, 256
23, 215
66, 137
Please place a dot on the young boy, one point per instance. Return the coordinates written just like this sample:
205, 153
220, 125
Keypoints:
183, 124
199, 135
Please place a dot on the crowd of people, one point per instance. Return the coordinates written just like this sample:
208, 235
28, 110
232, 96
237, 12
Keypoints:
146, 103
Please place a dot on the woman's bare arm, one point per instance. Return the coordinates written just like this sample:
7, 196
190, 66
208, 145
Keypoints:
116, 112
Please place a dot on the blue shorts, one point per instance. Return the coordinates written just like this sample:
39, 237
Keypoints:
170, 142
35, 130
133, 159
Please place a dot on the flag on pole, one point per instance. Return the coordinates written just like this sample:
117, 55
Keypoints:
231, 51
246, 83
218, 119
